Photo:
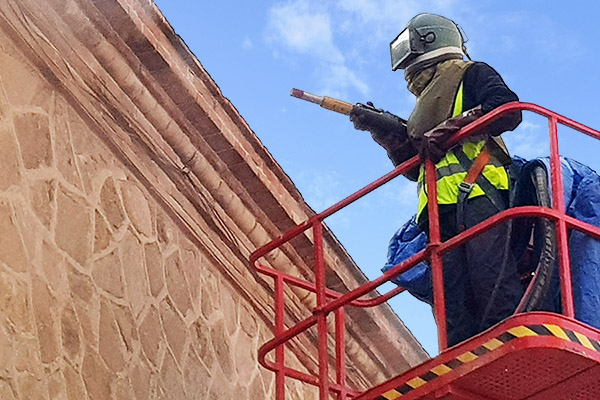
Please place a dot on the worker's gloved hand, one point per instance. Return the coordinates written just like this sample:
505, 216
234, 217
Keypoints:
366, 117
433, 145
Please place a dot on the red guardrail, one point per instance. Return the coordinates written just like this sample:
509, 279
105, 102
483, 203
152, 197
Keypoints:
329, 301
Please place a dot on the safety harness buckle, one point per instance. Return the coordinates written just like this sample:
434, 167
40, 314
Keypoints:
466, 187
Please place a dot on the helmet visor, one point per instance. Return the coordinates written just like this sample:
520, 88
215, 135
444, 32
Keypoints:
400, 49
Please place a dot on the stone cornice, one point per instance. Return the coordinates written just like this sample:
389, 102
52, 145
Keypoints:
137, 85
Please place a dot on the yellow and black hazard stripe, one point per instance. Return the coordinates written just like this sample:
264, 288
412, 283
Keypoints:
491, 345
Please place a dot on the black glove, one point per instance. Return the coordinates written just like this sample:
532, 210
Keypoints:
366, 117
433, 145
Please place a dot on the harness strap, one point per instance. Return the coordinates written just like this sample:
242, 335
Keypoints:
474, 176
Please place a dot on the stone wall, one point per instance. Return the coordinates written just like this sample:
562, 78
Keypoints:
101, 295
123, 249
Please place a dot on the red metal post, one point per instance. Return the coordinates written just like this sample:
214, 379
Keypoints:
436, 260
279, 329
322, 317
340, 351
558, 203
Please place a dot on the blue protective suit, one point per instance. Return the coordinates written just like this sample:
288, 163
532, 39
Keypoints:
582, 200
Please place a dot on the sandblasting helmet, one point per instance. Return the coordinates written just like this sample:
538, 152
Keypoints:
426, 38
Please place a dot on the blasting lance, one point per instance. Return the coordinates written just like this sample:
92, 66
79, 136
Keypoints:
329, 103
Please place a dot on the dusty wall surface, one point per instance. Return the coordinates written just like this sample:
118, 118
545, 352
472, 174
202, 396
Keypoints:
101, 295
128, 212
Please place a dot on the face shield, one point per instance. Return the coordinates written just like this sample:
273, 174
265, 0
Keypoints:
400, 48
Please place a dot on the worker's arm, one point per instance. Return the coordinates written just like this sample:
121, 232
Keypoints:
484, 87
387, 130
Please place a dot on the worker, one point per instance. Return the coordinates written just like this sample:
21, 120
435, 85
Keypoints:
482, 285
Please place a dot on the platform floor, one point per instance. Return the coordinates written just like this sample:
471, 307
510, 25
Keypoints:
535, 356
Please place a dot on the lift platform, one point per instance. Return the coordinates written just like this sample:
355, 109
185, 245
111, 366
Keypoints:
534, 356
529, 356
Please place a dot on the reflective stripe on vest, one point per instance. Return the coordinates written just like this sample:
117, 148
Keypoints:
449, 172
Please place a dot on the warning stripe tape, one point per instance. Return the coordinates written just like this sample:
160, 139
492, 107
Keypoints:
491, 345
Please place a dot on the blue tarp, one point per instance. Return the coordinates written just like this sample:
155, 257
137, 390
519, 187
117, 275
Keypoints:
582, 200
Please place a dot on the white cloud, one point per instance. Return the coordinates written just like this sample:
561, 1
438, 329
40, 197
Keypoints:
401, 191
247, 43
303, 29
320, 189
341, 40
336, 79
382, 19
529, 140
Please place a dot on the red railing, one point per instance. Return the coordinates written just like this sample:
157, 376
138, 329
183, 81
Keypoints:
329, 301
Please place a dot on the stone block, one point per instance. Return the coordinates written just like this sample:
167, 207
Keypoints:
81, 286
56, 386
164, 228
71, 336
200, 342
85, 300
256, 389
176, 283
88, 315
221, 344
27, 356
196, 377
91, 154
20, 81
45, 309
74, 383
35, 142
8, 350
126, 324
41, 199
154, 268
192, 264
151, 335
35, 388
12, 251
10, 165
96, 376
248, 320
110, 346
66, 162
140, 381
137, 208
229, 308
246, 362
210, 295
6, 391
102, 234
53, 267
171, 378
73, 231
107, 274
134, 272
15, 302
222, 387
111, 205
174, 327
123, 390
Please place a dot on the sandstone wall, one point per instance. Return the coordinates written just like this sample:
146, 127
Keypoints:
131, 194
101, 295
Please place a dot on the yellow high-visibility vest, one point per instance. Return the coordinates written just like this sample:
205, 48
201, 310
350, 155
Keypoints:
450, 173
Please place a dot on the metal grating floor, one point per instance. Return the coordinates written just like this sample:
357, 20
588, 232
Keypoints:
536, 356
521, 375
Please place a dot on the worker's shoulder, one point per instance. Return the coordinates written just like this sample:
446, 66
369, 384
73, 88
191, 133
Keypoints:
479, 69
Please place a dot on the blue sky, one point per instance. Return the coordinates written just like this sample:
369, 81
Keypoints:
256, 51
